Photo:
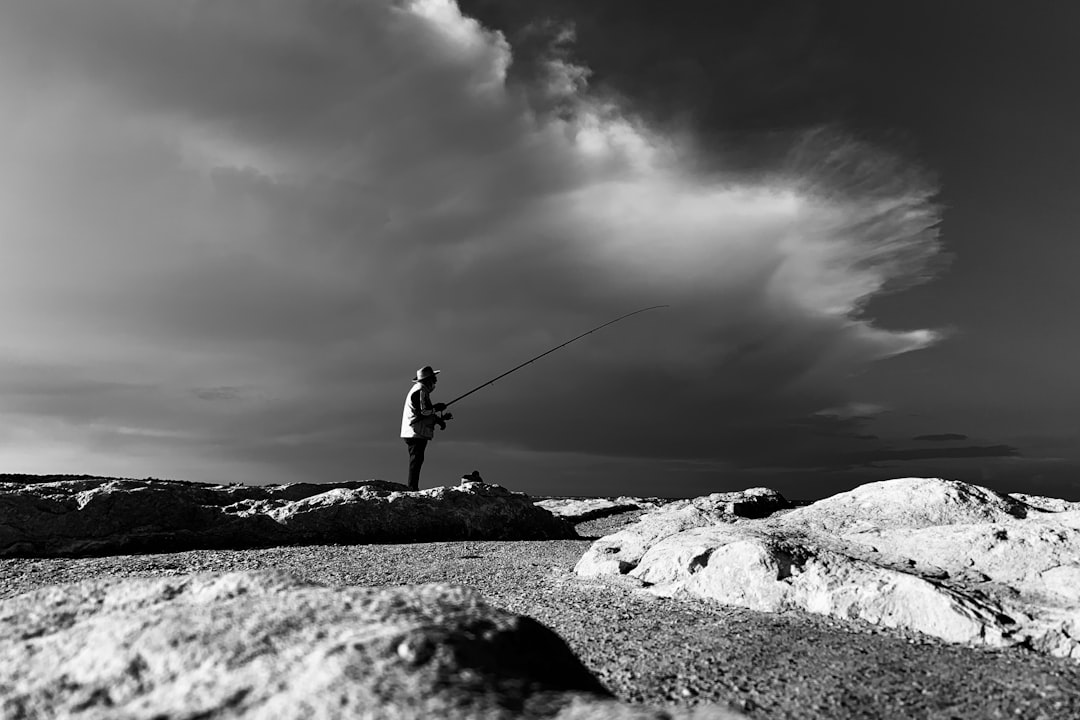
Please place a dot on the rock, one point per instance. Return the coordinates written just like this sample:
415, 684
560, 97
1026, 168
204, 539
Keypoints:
945, 558
471, 510
582, 509
100, 516
772, 573
1046, 504
908, 502
621, 551
1018, 554
258, 645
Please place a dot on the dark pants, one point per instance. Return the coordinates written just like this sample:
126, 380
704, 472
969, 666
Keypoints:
417, 446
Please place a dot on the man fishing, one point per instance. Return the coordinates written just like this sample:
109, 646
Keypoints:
419, 418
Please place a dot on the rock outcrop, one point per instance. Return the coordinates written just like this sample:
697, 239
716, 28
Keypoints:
582, 509
266, 645
1048, 504
621, 551
941, 557
908, 503
99, 516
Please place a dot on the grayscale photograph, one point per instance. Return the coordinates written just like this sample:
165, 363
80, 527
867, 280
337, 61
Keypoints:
540, 359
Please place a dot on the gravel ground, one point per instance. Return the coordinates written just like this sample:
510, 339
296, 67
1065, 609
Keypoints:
656, 650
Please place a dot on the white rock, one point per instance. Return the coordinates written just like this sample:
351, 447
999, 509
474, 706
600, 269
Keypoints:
908, 502
1047, 504
97, 515
581, 509
621, 551
1018, 553
764, 571
946, 558
264, 645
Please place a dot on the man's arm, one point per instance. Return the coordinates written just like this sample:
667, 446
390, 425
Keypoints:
426, 412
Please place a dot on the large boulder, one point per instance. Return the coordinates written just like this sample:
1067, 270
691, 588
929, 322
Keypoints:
771, 572
266, 645
911, 503
1037, 556
98, 516
621, 551
940, 557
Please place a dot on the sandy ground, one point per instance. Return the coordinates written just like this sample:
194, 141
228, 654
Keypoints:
661, 651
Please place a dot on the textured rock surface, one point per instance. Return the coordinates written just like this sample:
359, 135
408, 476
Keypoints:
657, 651
1027, 555
909, 503
247, 645
621, 551
583, 509
1048, 504
97, 515
771, 572
952, 560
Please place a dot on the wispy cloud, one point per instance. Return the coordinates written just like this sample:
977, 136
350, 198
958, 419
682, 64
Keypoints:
310, 200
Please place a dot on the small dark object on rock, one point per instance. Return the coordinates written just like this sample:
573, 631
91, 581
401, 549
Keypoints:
474, 476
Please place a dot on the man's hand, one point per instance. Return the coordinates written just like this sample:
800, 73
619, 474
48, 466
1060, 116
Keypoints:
441, 423
439, 407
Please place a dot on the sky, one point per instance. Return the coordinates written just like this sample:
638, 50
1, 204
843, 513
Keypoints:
232, 235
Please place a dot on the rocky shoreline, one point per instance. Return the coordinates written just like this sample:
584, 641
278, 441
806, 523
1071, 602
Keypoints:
946, 558
654, 652
650, 653
101, 516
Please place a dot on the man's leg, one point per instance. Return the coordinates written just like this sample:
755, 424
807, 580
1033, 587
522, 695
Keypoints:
417, 446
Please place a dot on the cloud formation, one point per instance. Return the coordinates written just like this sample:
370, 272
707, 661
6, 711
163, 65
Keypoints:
231, 236
942, 437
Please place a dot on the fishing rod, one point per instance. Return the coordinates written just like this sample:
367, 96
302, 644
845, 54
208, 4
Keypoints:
518, 367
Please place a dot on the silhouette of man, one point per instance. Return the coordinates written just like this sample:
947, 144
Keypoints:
419, 418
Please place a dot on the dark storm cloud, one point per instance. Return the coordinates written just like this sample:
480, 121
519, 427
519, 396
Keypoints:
942, 437
308, 202
887, 455
836, 456
720, 66
217, 393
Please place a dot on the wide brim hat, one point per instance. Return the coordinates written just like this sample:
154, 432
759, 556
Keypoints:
425, 373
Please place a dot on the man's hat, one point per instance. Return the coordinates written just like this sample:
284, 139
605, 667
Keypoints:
425, 373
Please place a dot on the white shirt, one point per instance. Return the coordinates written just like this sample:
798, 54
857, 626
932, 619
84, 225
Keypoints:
418, 416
